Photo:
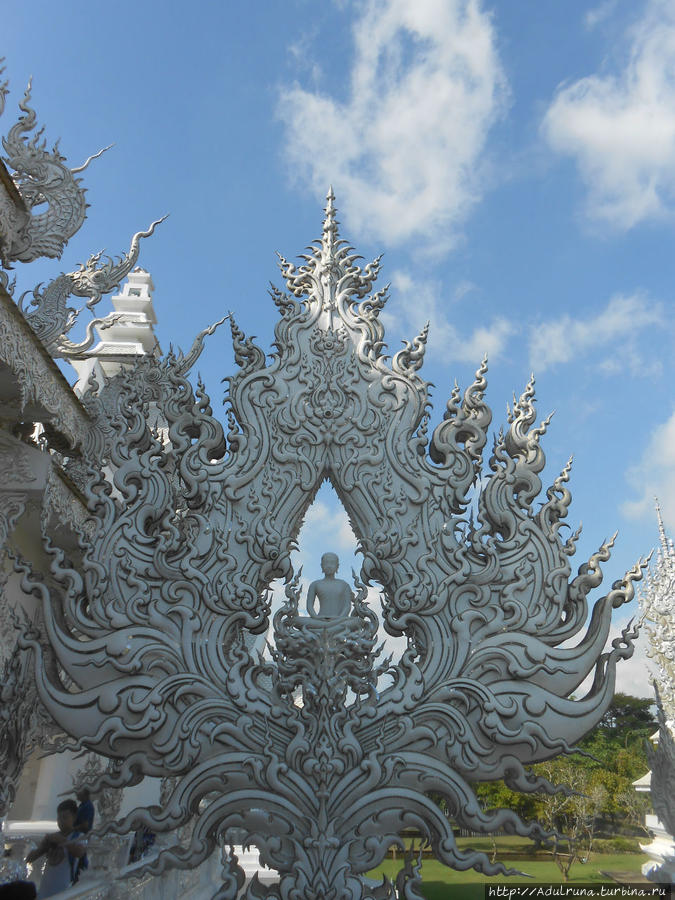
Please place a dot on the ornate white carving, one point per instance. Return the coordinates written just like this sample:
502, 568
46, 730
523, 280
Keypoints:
12, 219
40, 176
52, 318
150, 632
5, 283
658, 604
39, 381
12, 506
24, 723
4, 86
62, 505
15, 462
108, 800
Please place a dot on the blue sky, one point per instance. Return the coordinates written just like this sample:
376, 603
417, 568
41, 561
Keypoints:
515, 161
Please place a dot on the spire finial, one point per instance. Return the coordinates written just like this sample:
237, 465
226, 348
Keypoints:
662, 530
330, 227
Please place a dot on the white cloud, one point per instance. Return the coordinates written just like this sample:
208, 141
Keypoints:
415, 301
327, 520
620, 128
300, 51
633, 676
567, 339
403, 151
654, 476
599, 14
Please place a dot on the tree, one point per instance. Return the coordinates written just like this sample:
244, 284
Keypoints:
572, 813
631, 718
600, 777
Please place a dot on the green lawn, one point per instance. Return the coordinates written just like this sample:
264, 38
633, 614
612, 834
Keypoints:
441, 882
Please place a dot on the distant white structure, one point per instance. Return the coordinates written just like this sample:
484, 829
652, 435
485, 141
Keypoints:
131, 334
658, 604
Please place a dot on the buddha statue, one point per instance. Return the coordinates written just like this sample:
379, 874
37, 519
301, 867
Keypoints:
334, 595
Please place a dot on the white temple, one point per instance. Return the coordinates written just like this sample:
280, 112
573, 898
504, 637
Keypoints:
658, 606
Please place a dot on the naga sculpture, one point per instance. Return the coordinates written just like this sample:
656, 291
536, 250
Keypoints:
39, 176
51, 318
322, 754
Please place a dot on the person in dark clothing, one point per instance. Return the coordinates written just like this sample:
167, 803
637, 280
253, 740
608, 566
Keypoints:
18, 890
84, 821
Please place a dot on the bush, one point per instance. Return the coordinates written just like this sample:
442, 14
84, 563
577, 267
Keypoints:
617, 845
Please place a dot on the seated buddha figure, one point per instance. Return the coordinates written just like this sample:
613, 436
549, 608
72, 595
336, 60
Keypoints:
334, 595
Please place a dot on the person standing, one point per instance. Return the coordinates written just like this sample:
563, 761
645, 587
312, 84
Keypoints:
63, 849
84, 820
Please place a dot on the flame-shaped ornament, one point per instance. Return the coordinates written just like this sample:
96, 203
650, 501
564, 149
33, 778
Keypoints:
151, 631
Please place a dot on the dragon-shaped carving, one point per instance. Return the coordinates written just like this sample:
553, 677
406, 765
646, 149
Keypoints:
51, 318
40, 177
152, 631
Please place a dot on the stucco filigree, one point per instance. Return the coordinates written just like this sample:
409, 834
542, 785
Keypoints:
150, 632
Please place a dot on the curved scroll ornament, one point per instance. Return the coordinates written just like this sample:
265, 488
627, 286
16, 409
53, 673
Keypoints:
152, 632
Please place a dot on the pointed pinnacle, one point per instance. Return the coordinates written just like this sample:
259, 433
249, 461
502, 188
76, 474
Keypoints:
330, 234
662, 530
330, 210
